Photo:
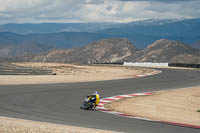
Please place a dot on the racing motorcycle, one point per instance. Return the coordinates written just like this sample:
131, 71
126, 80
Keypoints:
88, 103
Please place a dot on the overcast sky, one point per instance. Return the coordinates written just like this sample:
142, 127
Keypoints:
37, 11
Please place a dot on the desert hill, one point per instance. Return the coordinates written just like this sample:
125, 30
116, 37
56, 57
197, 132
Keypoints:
166, 51
103, 51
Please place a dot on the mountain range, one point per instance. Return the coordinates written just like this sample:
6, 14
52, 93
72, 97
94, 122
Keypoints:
28, 28
30, 40
68, 35
120, 50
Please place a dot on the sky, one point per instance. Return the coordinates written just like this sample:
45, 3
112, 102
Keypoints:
65, 11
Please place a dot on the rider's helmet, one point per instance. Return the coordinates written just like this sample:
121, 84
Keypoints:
95, 92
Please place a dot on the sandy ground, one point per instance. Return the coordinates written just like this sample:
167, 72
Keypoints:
11, 125
66, 73
179, 106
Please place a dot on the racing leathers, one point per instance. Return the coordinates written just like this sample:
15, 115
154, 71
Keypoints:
95, 99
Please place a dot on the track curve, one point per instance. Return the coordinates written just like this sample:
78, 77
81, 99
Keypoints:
59, 103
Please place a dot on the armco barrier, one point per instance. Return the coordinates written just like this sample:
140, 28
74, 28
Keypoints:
146, 64
114, 63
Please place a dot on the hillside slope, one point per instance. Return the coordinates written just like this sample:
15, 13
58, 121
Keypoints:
166, 51
103, 51
27, 48
120, 50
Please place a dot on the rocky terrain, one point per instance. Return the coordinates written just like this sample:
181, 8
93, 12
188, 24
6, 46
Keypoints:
120, 50
166, 51
103, 51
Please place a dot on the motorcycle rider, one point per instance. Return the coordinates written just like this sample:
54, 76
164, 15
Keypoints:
95, 98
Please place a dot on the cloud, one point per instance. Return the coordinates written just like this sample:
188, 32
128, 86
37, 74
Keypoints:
23, 10
36, 11
178, 10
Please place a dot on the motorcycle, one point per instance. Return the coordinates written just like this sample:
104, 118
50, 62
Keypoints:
88, 104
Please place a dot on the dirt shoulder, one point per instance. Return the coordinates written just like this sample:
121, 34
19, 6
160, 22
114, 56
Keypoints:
11, 125
67, 73
180, 106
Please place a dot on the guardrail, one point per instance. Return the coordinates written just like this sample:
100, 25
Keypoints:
150, 64
146, 64
114, 63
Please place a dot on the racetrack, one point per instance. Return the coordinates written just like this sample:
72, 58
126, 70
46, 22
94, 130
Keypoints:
60, 103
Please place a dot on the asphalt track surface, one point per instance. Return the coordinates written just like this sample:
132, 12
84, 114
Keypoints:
60, 103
